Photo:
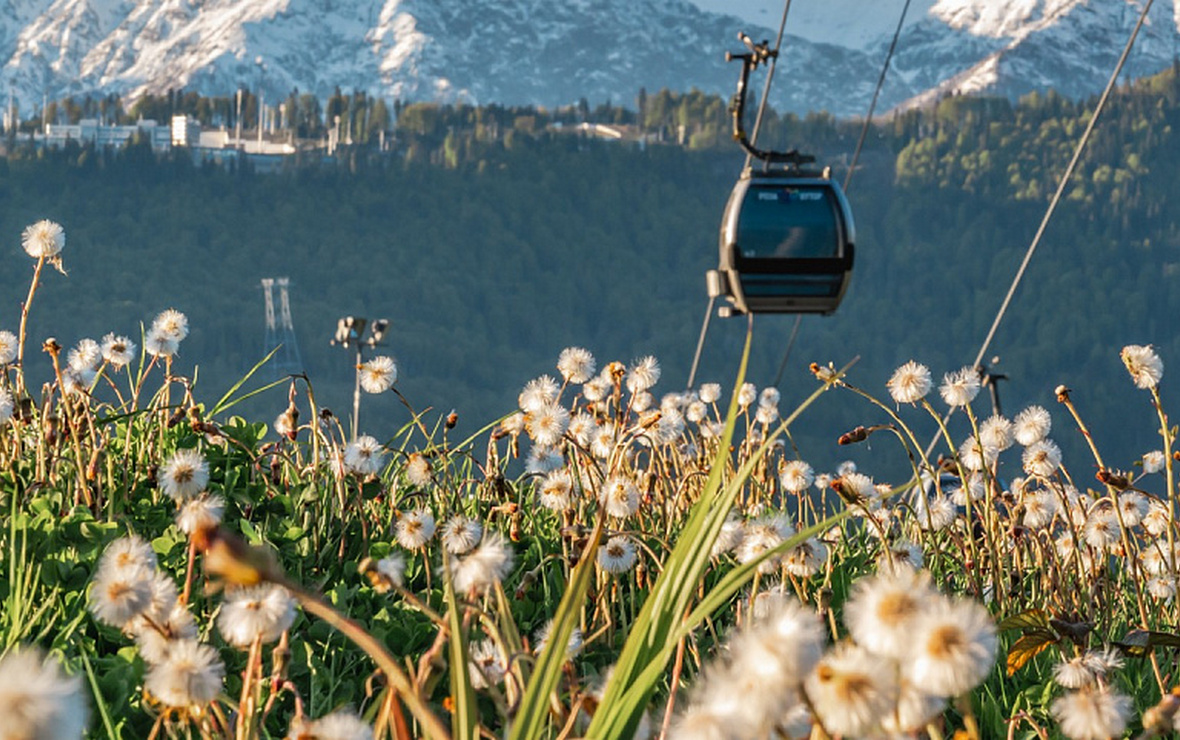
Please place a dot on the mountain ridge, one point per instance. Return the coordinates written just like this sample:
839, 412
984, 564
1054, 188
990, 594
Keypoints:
550, 54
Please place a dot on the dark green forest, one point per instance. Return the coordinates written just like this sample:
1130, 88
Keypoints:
492, 242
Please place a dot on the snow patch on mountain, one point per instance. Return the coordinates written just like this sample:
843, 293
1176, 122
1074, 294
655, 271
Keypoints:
553, 53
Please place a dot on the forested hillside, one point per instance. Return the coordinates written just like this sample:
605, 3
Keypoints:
492, 242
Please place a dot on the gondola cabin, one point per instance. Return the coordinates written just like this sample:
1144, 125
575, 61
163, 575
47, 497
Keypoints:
786, 244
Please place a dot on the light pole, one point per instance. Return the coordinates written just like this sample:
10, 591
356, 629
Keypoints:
350, 334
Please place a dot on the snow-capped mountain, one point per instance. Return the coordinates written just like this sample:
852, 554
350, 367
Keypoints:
553, 52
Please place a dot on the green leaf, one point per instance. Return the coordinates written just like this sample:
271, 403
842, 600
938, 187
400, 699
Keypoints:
465, 713
667, 611
534, 706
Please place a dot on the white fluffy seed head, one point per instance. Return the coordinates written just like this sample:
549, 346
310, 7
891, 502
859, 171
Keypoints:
261, 613
37, 700
910, 383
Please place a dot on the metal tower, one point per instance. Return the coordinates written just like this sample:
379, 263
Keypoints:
280, 333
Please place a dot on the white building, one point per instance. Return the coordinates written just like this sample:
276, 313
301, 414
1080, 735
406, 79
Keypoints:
89, 130
186, 131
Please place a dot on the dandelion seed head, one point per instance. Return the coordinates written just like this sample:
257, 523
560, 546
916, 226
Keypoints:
1042, 458
850, 689
171, 324
1133, 506
883, 611
644, 374
154, 647
157, 344
1101, 530
747, 394
769, 396
1144, 365
976, 456
766, 415
86, 356
1155, 521
363, 456
760, 536
998, 432
547, 424
1073, 673
128, 552
556, 490
538, 393
954, 648
1153, 462
487, 565
910, 383
37, 700
1092, 713
414, 529
8, 347
581, 428
576, 365
192, 675
1039, 508
620, 496
513, 424
261, 613
709, 393
118, 595
392, 568
1032, 425
596, 389
6, 406
378, 374
732, 532
485, 664
184, 475
1162, 588
617, 555
340, 725
573, 645
118, 351
459, 534
542, 460
796, 476
44, 239
936, 514
960, 387
418, 470
806, 559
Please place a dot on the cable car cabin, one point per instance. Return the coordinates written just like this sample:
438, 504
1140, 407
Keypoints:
786, 244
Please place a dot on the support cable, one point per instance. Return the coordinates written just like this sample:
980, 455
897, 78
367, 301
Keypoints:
696, 358
1065, 178
864, 131
778, 43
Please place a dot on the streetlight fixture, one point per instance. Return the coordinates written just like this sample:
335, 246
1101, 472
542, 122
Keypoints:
350, 334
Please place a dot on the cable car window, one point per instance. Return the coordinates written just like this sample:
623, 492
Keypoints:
776, 286
787, 221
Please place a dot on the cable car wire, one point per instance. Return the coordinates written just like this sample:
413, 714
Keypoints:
864, 131
778, 43
696, 358
1065, 178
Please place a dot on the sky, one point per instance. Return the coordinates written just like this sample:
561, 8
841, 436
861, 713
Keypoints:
844, 22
